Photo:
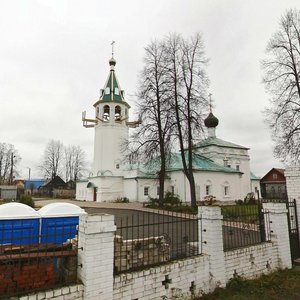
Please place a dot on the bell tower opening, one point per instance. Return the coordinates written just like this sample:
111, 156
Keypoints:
118, 113
106, 113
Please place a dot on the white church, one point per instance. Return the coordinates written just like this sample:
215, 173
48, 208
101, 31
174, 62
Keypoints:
222, 169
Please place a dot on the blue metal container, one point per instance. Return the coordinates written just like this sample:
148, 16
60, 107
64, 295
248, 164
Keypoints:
59, 222
19, 224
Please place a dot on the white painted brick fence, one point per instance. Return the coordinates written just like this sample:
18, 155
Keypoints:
178, 279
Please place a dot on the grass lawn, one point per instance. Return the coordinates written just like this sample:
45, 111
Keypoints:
281, 285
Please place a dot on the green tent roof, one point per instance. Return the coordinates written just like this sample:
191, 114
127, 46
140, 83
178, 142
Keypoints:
112, 90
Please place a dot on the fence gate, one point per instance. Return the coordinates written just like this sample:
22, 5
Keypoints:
293, 228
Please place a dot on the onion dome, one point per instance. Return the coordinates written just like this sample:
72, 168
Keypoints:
211, 121
112, 62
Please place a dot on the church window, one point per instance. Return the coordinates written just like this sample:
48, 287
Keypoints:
117, 91
237, 167
117, 166
107, 91
118, 113
158, 190
207, 190
101, 92
146, 190
97, 111
172, 189
106, 113
226, 190
126, 112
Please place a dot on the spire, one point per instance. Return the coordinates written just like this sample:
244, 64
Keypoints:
112, 90
211, 122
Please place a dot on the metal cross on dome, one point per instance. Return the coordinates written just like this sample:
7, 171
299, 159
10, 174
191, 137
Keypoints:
210, 105
112, 48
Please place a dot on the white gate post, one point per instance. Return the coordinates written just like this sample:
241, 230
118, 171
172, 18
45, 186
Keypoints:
279, 232
96, 255
211, 241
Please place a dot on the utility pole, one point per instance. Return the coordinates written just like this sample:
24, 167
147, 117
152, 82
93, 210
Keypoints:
11, 168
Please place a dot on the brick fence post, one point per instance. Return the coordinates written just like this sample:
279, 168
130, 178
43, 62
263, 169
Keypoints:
96, 255
279, 232
211, 241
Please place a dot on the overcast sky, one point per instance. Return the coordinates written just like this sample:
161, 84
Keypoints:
54, 60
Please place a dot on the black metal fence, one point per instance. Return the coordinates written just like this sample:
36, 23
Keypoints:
31, 261
244, 225
146, 239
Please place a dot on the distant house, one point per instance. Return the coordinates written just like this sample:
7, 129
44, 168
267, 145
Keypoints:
273, 184
32, 186
49, 187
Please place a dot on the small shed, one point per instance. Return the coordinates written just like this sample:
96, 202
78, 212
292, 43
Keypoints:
59, 222
19, 224
8, 192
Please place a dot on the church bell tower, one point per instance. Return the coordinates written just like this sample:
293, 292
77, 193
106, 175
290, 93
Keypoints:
111, 126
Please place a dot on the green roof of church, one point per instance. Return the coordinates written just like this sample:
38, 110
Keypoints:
112, 90
200, 163
253, 176
214, 141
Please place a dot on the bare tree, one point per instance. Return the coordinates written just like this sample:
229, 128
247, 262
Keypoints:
74, 158
52, 159
152, 140
171, 103
188, 83
9, 159
281, 78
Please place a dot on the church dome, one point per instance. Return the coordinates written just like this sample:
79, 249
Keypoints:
112, 62
211, 121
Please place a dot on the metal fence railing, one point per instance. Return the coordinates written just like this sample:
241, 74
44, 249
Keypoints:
145, 239
31, 261
244, 225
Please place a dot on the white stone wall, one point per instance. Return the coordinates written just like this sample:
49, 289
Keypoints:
173, 279
182, 278
251, 262
72, 292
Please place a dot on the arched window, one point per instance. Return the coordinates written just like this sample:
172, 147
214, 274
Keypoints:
118, 113
97, 111
106, 113
208, 188
226, 189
